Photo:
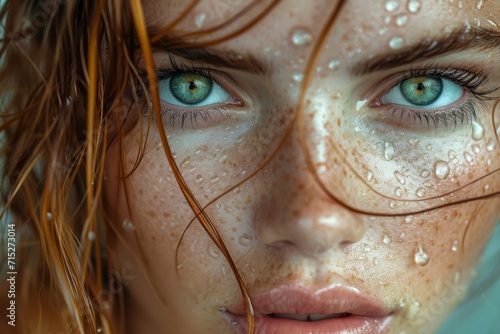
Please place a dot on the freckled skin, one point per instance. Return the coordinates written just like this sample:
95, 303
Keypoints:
299, 231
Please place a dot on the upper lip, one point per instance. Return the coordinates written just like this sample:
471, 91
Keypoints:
297, 299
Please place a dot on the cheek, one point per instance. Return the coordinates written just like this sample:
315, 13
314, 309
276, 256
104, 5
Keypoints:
151, 214
424, 262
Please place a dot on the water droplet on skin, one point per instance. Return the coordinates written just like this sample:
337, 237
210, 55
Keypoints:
468, 157
491, 22
375, 261
486, 187
414, 6
369, 176
383, 31
421, 257
408, 219
476, 148
245, 240
467, 27
490, 146
298, 77
214, 179
367, 248
425, 173
479, 4
400, 177
477, 130
441, 169
301, 36
334, 64
360, 104
391, 6
389, 152
200, 20
180, 266
413, 309
402, 20
398, 192
392, 204
420, 192
128, 225
198, 179
100, 330
213, 251
396, 43
414, 141
454, 247
452, 154
402, 235
387, 239
50, 217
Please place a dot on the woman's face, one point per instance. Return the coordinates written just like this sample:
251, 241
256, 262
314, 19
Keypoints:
339, 209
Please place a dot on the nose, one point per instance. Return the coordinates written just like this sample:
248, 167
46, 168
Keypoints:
296, 213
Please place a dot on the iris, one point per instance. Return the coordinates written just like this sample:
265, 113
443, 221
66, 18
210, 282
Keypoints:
190, 88
421, 91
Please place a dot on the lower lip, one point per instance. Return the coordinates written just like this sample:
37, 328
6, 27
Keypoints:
345, 325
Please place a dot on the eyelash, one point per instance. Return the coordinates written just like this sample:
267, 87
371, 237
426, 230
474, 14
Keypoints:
456, 116
471, 79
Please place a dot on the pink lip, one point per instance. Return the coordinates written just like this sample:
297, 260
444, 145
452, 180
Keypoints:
365, 315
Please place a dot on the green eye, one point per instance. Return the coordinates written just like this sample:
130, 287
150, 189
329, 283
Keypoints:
190, 88
422, 91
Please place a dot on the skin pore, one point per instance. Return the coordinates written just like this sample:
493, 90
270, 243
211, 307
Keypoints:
290, 224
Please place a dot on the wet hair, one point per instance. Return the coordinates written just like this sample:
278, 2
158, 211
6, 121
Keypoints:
58, 119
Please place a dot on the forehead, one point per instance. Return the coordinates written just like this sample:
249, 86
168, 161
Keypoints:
377, 20
363, 29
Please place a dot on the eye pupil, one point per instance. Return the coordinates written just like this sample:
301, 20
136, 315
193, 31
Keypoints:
190, 88
421, 91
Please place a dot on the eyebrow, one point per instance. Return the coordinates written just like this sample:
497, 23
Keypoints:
459, 40
215, 57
